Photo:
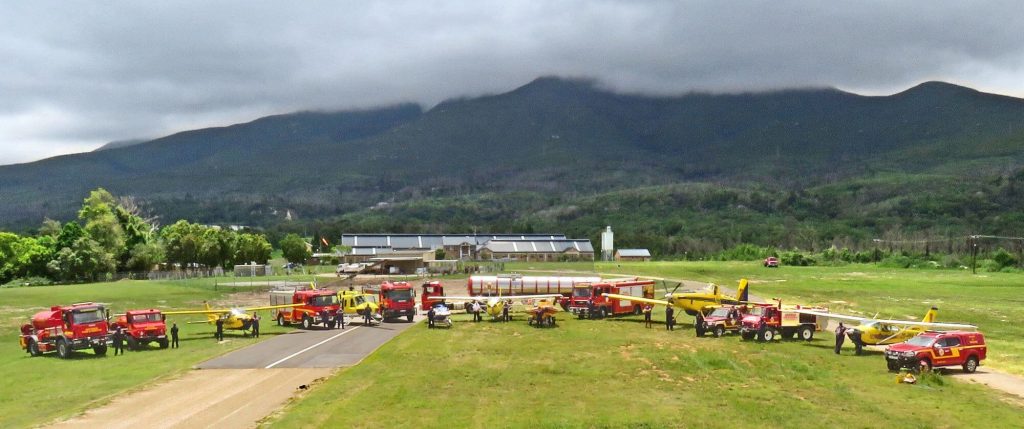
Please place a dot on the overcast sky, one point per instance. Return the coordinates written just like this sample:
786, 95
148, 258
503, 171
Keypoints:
74, 75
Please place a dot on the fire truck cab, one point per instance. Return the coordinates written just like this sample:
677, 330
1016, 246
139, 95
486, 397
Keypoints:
396, 299
588, 300
142, 327
780, 322
314, 303
431, 292
67, 328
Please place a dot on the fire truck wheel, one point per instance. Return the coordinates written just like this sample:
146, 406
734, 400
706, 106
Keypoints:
280, 320
893, 366
719, 331
307, 322
747, 336
408, 318
637, 310
63, 349
924, 365
100, 350
33, 348
768, 335
163, 343
971, 365
602, 313
133, 344
806, 333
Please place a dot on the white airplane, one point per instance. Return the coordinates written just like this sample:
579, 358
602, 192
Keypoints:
495, 304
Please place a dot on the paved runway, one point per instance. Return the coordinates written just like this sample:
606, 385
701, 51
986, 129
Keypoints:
311, 349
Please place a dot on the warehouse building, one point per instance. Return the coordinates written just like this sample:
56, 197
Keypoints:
642, 255
469, 247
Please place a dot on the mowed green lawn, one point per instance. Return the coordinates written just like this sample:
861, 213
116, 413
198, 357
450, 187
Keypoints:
37, 390
616, 373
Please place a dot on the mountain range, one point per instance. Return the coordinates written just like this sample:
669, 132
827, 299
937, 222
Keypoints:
554, 143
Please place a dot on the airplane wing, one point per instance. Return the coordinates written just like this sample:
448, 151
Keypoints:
271, 307
638, 299
859, 319
460, 298
209, 311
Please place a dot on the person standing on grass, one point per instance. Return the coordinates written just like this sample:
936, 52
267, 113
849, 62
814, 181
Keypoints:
476, 311
219, 335
118, 341
174, 335
670, 320
255, 326
762, 327
647, 315
840, 337
504, 312
430, 318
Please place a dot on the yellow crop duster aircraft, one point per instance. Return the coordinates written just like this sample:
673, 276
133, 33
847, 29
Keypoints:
877, 332
234, 318
694, 302
494, 305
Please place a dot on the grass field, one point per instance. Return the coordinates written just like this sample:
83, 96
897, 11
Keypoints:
616, 373
37, 390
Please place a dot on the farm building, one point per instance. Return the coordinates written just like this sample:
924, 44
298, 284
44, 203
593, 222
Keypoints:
537, 250
642, 255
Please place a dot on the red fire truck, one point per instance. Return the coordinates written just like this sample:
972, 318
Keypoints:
588, 300
396, 299
67, 328
314, 302
142, 327
781, 322
431, 292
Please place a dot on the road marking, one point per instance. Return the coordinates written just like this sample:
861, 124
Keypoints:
309, 348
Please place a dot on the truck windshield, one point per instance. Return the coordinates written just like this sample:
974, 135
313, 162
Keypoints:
920, 341
143, 318
401, 294
323, 300
719, 312
757, 311
81, 317
581, 292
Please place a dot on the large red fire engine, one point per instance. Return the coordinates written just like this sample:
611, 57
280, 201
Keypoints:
396, 299
142, 327
314, 302
67, 328
588, 300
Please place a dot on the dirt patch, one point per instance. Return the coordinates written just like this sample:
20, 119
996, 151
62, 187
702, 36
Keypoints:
223, 398
1008, 383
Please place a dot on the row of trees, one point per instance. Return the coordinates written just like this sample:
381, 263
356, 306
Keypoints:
111, 235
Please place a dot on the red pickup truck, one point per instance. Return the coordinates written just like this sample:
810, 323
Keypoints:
771, 262
934, 349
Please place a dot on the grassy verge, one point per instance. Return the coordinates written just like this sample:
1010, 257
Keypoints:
37, 390
616, 373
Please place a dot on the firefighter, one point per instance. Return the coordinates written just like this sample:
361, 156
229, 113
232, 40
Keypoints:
504, 312
840, 336
255, 326
858, 345
698, 324
647, 315
762, 327
219, 335
368, 316
118, 341
476, 311
430, 318
670, 320
174, 335
325, 319
339, 319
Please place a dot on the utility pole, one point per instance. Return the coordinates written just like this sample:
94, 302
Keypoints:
974, 254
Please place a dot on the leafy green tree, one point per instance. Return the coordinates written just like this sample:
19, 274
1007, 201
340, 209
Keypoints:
144, 256
101, 224
69, 234
252, 248
294, 248
86, 259
9, 265
182, 242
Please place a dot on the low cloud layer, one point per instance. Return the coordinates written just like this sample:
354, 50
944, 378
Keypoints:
77, 75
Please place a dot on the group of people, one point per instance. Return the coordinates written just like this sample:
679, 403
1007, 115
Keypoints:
336, 322
842, 332
120, 337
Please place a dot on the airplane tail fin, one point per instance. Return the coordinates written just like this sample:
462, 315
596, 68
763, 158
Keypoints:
930, 316
741, 291
210, 316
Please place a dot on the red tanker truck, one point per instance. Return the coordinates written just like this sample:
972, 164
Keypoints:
67, 328
142, 327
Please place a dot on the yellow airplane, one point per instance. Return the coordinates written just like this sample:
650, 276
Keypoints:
494, 305
234, 318
877, 332
694, 302
543, 313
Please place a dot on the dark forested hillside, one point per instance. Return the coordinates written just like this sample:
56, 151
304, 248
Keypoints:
567, 155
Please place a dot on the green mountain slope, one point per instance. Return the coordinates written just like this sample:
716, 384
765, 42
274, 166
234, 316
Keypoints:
563, 154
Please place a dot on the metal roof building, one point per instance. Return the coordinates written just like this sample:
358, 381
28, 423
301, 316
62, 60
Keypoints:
473, 246
632, 255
